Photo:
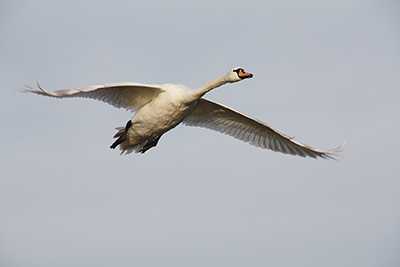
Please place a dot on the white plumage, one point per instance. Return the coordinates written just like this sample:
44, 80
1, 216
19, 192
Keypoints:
159, 108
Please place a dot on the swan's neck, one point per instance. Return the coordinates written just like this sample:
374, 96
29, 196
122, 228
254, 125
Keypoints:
199, 92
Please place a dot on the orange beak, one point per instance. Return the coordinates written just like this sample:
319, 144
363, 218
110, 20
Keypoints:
243, 75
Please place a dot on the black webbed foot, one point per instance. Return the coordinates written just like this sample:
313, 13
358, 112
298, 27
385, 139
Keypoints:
122, 135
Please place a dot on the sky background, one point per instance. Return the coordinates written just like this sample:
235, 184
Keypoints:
324, 72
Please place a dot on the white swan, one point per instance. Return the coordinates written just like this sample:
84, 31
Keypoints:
159, 108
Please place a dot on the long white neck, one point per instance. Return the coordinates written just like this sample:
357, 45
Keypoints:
199, 92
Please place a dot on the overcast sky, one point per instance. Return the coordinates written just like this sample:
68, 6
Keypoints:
324, 72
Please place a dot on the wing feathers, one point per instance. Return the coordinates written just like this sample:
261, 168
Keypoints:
212, 115
131, 96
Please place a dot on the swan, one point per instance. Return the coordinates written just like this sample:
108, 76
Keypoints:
159, 108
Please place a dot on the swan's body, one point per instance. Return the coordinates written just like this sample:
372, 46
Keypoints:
159, 108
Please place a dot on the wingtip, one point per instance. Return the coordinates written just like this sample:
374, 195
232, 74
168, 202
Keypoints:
32, 89
330, 154
337, 149
38, 85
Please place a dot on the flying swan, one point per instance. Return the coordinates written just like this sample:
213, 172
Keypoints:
159, 108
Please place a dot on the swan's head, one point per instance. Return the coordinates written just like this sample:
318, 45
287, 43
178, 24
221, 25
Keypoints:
237, 74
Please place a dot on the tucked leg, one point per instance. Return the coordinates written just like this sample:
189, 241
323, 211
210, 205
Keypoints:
149, 144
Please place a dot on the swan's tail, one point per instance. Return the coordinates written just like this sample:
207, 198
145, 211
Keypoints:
125, 144
122, 141
121, 135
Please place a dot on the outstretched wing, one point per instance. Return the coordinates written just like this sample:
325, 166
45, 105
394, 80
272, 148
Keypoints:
130, 96
214, 116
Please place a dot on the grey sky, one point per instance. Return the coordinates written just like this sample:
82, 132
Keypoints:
324, 72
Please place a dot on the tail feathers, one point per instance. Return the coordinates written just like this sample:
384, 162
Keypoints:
134, 143
125, 146
120, 132
121, 135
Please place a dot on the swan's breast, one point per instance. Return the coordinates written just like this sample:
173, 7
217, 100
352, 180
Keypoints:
165, 111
